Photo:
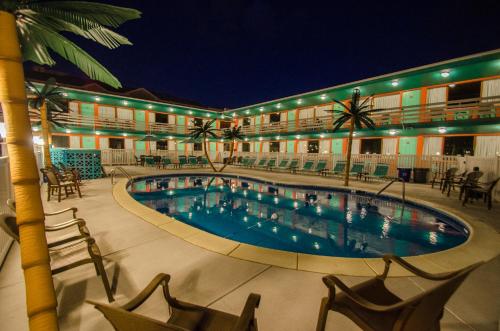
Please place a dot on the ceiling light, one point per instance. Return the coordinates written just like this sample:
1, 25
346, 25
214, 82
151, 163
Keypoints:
125, 134
278, 137
321, 135
150, 106
68, 131
98, 133
445, 73
297, 136
209, 115
354, 133
442, 129
170, 137
392, 132
452, 85
190, 112
261, 108
323, 96
260, 138
278, 105
299, 101
65, 94
125, 102
395, 82
97, 99
170, 109
246, 139
234, 115
247, 111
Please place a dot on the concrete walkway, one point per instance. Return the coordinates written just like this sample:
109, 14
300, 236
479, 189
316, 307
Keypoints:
136, 251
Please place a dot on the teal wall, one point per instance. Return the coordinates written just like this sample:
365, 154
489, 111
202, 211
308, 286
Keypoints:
337, 146
408, 145
290, 145
87, 109
411, 98
88, 142
181, 147
140, 145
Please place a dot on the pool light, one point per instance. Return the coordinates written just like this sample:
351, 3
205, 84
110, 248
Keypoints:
294, 238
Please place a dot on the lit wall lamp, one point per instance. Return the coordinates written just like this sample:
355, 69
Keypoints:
442, 130
395, 82
445, 73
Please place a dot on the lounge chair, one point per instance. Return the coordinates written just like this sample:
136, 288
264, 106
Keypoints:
183, 316
182, 161
283, 165
242, 162
270, 164
193, 161
306, 167
251, 162
204, 161
442, 177
54, 185
165, 162
67, 253
380, 172
373, 307
470, 181
262, 163
486, 192
339, 169
318, 169
149, 161
357, 169
293, 165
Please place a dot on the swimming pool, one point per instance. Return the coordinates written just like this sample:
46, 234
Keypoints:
303, 219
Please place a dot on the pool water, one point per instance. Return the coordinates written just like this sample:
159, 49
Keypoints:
311, 220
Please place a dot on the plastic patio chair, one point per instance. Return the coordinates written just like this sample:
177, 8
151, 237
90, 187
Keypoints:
66, 254
373, 307
183, 316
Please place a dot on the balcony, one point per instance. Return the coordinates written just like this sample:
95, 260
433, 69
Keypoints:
420, 115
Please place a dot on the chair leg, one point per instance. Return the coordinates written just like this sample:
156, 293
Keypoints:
77, 187
48, 193
104, 278
59, 192
323, 315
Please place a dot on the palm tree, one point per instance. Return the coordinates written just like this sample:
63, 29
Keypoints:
358, 114
204, 130
48, 103
232, 134
29, 29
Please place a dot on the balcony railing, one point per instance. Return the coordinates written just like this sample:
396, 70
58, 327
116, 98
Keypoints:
468, 109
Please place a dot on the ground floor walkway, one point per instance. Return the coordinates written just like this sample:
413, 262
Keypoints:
136, 251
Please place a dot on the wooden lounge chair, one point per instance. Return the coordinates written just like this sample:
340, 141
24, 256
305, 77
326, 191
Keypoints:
183, 316
485, 191
373, 307
54, 185
380, 172
66, 253
339, 169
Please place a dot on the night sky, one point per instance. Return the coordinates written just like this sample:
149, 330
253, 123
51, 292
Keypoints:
232, 53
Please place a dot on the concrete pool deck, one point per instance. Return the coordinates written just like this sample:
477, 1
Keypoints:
136, 251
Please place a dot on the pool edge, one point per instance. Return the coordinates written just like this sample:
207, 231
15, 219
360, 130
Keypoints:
472, 250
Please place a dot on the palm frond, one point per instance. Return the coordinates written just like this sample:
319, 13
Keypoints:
341, 104
83, 14
368, 122
339, 122
51, 39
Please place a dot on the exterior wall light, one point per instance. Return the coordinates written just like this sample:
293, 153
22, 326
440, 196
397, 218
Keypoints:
125, 102
278, 137
452, 85
261, 108
209, 115
278, 105
323, 96
190, 112
392, 132
445, 73
150, 106
170, 109
395, 82
97, 99
299, 101
125, 134
260, 138
246, 139
297, 136
322, 136
442, 130
97, 133
170, 137
68, 131
247, 111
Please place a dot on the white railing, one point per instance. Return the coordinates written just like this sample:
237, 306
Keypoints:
111, 157
6, 192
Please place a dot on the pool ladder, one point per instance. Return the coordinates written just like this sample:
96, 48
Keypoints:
113, 172
403, 194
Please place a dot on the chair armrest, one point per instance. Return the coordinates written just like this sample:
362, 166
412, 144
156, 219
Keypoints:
73, 209
160, 279
248, 313
389, 258
332, 281
80, 222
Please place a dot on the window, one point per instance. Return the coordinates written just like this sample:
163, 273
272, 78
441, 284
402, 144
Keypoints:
197, 147
247, 121
162, 145
161, 118
60, 141
245, 147
371, 146
274, 146
227, 147
464, 91
463, 145
197, 121
274, 117
225, 124
117, 143
313, 146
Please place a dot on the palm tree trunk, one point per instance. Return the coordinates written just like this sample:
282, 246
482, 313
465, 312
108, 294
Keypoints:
230, 157
206, 154
41, 300
45, 136
349, 149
